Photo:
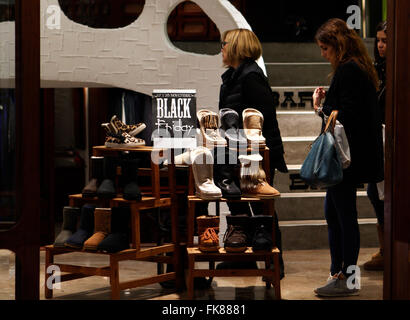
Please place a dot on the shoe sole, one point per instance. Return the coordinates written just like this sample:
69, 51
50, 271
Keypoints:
90, 248
137, 130
261, 196
337, 295
72, 246
106, 195
209, 249
235, 250
208, 198
123, 146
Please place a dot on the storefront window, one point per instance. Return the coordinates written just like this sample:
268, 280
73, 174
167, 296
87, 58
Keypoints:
7, 115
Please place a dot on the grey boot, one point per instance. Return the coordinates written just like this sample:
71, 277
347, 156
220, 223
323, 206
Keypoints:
70, 217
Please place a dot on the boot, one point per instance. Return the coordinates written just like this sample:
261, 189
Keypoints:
132, 129
181, 159
70, 217
376, 263
208, 229
85, 229
129, 174
202, 168
225, 177
230, 129
253, 125
236, 238
102, 227
118, 239
107, 188
209, 129
97, 173
262, 233
253, 178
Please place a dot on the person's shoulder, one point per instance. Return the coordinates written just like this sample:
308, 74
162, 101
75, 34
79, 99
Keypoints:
350, 65
253, 73
350, 70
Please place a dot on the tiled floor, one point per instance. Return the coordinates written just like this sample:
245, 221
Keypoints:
305, 270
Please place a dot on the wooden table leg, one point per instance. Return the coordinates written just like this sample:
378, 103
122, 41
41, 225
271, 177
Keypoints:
114, 279
267, 267
190, 280
190, 223
135, 220
277, 276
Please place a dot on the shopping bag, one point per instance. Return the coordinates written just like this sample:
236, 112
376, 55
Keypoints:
322, 167
342, 144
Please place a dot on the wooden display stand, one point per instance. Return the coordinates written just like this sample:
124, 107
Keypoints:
136, 252
195, 255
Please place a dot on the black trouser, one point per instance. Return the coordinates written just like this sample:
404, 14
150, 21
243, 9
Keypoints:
343, 228
378, 204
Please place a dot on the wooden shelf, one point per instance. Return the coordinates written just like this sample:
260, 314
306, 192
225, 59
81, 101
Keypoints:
242, 199
137, 250
195, 255
223, 253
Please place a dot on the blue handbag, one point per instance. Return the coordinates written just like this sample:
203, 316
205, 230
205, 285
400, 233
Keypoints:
322, 167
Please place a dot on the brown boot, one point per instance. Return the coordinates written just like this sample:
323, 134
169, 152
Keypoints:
208, 229
376, 263
253, 178
102, 227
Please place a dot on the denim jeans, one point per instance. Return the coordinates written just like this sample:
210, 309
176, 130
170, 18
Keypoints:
343, 228
378, 204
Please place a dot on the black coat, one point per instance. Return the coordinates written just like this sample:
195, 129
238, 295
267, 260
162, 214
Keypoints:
353, 94
381, 94
247, 87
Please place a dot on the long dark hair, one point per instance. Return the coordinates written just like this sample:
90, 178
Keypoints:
347, 45
382, 26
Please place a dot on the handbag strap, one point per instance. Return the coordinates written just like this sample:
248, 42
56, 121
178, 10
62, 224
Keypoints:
331, 121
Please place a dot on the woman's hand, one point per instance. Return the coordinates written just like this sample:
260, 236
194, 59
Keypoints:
318, 95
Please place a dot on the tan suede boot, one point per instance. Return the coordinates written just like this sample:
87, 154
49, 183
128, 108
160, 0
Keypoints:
208, 229
102, 227
376, 263
253, 178
253, 125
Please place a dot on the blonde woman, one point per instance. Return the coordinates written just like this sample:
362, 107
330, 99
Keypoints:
244, 85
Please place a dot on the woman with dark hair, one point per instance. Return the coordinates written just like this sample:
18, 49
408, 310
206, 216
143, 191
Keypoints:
380, 47
353, 92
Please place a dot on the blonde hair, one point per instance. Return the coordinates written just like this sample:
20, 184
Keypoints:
242, 44
348, 46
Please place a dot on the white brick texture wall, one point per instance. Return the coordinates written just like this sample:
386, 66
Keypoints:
138, 57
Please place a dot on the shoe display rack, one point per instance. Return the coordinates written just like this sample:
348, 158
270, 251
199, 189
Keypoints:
156, 198
272, 276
